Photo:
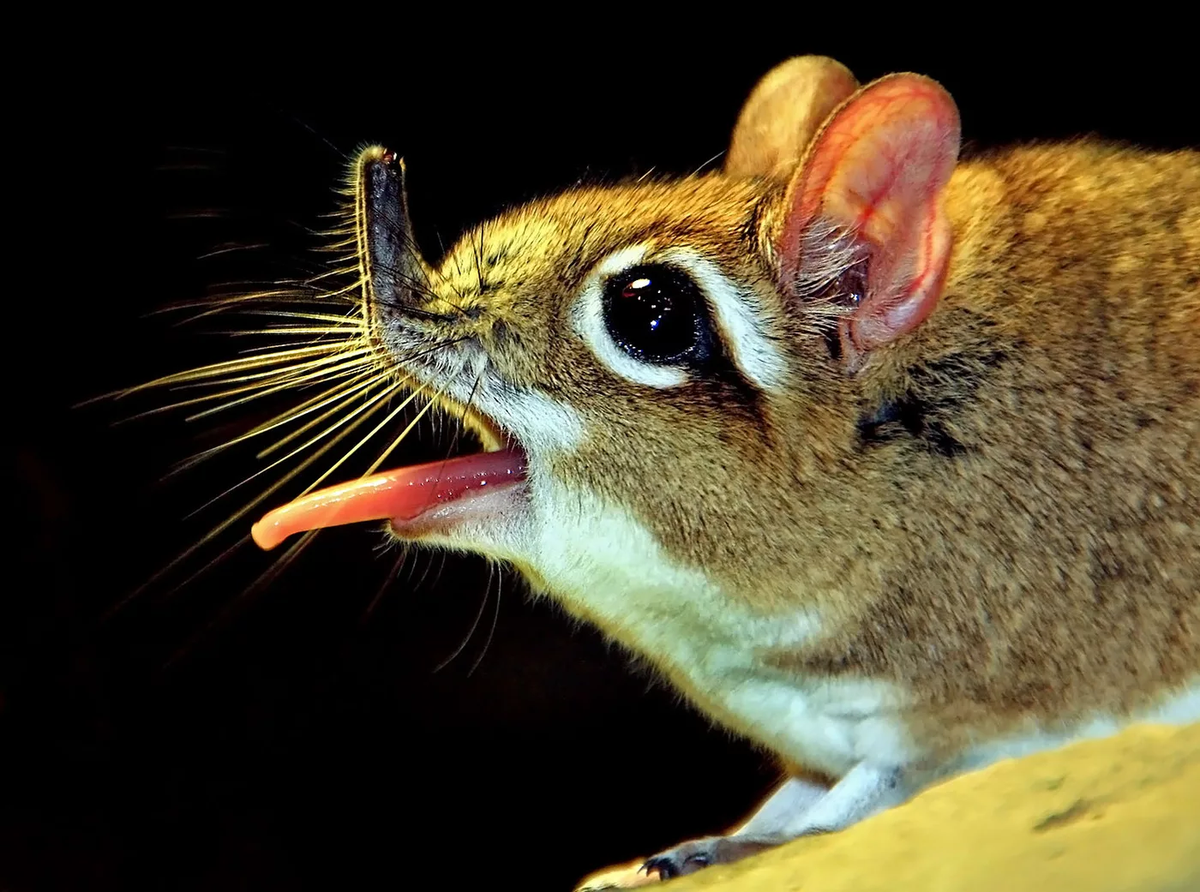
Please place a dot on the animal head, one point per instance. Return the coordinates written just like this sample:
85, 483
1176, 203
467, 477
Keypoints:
667, 376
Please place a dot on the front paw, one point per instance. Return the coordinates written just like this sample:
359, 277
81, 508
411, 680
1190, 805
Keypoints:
688, 857
685, 858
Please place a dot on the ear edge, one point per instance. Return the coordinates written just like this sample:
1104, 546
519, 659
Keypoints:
783, 111
880, 322
820, 159
911, 240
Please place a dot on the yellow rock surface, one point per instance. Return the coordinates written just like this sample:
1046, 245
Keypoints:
1114, 815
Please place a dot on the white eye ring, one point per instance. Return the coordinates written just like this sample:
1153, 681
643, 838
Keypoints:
735, 314
587, 317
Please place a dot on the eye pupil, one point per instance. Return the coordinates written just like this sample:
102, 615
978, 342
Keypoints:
656, 314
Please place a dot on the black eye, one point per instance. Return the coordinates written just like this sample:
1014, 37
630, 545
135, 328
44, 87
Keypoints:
656, 314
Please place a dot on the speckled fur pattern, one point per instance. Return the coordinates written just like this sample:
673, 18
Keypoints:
989, 529
1046, 567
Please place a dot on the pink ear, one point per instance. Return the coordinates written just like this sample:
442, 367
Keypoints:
875, 174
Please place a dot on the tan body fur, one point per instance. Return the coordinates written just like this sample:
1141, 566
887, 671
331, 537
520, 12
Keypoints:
915, 545
970, 581
1051, 572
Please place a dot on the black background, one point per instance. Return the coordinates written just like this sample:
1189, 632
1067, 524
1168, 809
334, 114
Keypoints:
301, 738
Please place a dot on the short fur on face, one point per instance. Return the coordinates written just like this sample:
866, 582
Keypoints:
978, 519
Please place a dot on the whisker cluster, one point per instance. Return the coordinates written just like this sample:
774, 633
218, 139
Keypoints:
308, 392
308, 345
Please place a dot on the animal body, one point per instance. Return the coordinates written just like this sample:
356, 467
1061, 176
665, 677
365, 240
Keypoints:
888, 460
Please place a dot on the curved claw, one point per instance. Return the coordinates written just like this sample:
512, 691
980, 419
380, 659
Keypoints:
669, 865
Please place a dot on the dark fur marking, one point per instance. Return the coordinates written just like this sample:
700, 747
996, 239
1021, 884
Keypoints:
752, 228
833, 341
732, 389
907, 416
939, 391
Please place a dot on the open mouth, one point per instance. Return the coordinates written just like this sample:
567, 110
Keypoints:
418, 498
404, 496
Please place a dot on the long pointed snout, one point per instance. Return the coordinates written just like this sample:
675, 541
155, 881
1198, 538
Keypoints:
394, 273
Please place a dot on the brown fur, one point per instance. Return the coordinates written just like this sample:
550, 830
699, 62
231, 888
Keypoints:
1052, 569
1020, 547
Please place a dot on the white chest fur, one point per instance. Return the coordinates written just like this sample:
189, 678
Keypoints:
606, 568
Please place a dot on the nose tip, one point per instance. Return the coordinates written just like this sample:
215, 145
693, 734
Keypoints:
392, 266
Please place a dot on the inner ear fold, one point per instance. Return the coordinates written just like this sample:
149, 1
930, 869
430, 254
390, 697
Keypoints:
873, 178
783, 112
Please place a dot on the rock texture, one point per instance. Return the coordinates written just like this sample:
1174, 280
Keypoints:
1114, 815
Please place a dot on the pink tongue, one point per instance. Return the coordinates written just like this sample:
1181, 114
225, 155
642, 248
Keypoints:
402, 494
